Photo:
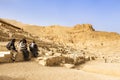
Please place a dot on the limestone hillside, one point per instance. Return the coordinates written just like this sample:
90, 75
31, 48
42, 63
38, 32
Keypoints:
7, 32
10, 30
76, 34
79, 37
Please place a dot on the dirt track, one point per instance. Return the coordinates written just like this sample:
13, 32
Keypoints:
33, 71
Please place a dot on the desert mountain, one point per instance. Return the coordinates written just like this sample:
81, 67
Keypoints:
9, 31
80, 37
84, 33
100, 46
104, 46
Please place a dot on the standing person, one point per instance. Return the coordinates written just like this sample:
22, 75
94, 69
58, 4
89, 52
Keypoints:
23, 49
11, 46
33, 49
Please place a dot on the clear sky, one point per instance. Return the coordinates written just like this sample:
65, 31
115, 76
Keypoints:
104, 15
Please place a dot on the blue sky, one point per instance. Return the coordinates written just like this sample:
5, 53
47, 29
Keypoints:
104, 15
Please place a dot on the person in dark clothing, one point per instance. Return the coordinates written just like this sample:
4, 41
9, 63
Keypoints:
33, 49
23, 49
11, 46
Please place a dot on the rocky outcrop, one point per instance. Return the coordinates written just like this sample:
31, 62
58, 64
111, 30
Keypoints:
66, 59
84, 27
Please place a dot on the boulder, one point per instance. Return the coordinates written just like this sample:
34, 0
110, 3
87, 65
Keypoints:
43, 62
49, 53
68, 65
87, 58
5, 56
19, 57
57, 54
78, 58
51, 61
57, 60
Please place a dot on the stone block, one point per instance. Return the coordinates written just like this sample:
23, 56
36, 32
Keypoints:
19, 57
68, 65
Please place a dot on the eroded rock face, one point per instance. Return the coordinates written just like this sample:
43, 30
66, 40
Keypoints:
84, 27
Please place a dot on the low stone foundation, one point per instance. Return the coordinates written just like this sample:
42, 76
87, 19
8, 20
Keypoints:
6, 56
62, 59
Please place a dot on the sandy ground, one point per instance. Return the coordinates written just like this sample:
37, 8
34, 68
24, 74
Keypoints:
33, 71
112, 69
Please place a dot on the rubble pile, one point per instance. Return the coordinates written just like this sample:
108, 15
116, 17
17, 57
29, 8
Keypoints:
63, 57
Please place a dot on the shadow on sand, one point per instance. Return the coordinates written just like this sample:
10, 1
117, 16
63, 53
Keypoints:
10, 78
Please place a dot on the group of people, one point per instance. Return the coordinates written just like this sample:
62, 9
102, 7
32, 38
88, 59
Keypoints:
22, 47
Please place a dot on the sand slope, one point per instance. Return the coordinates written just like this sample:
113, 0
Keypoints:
34, 71
112, 69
